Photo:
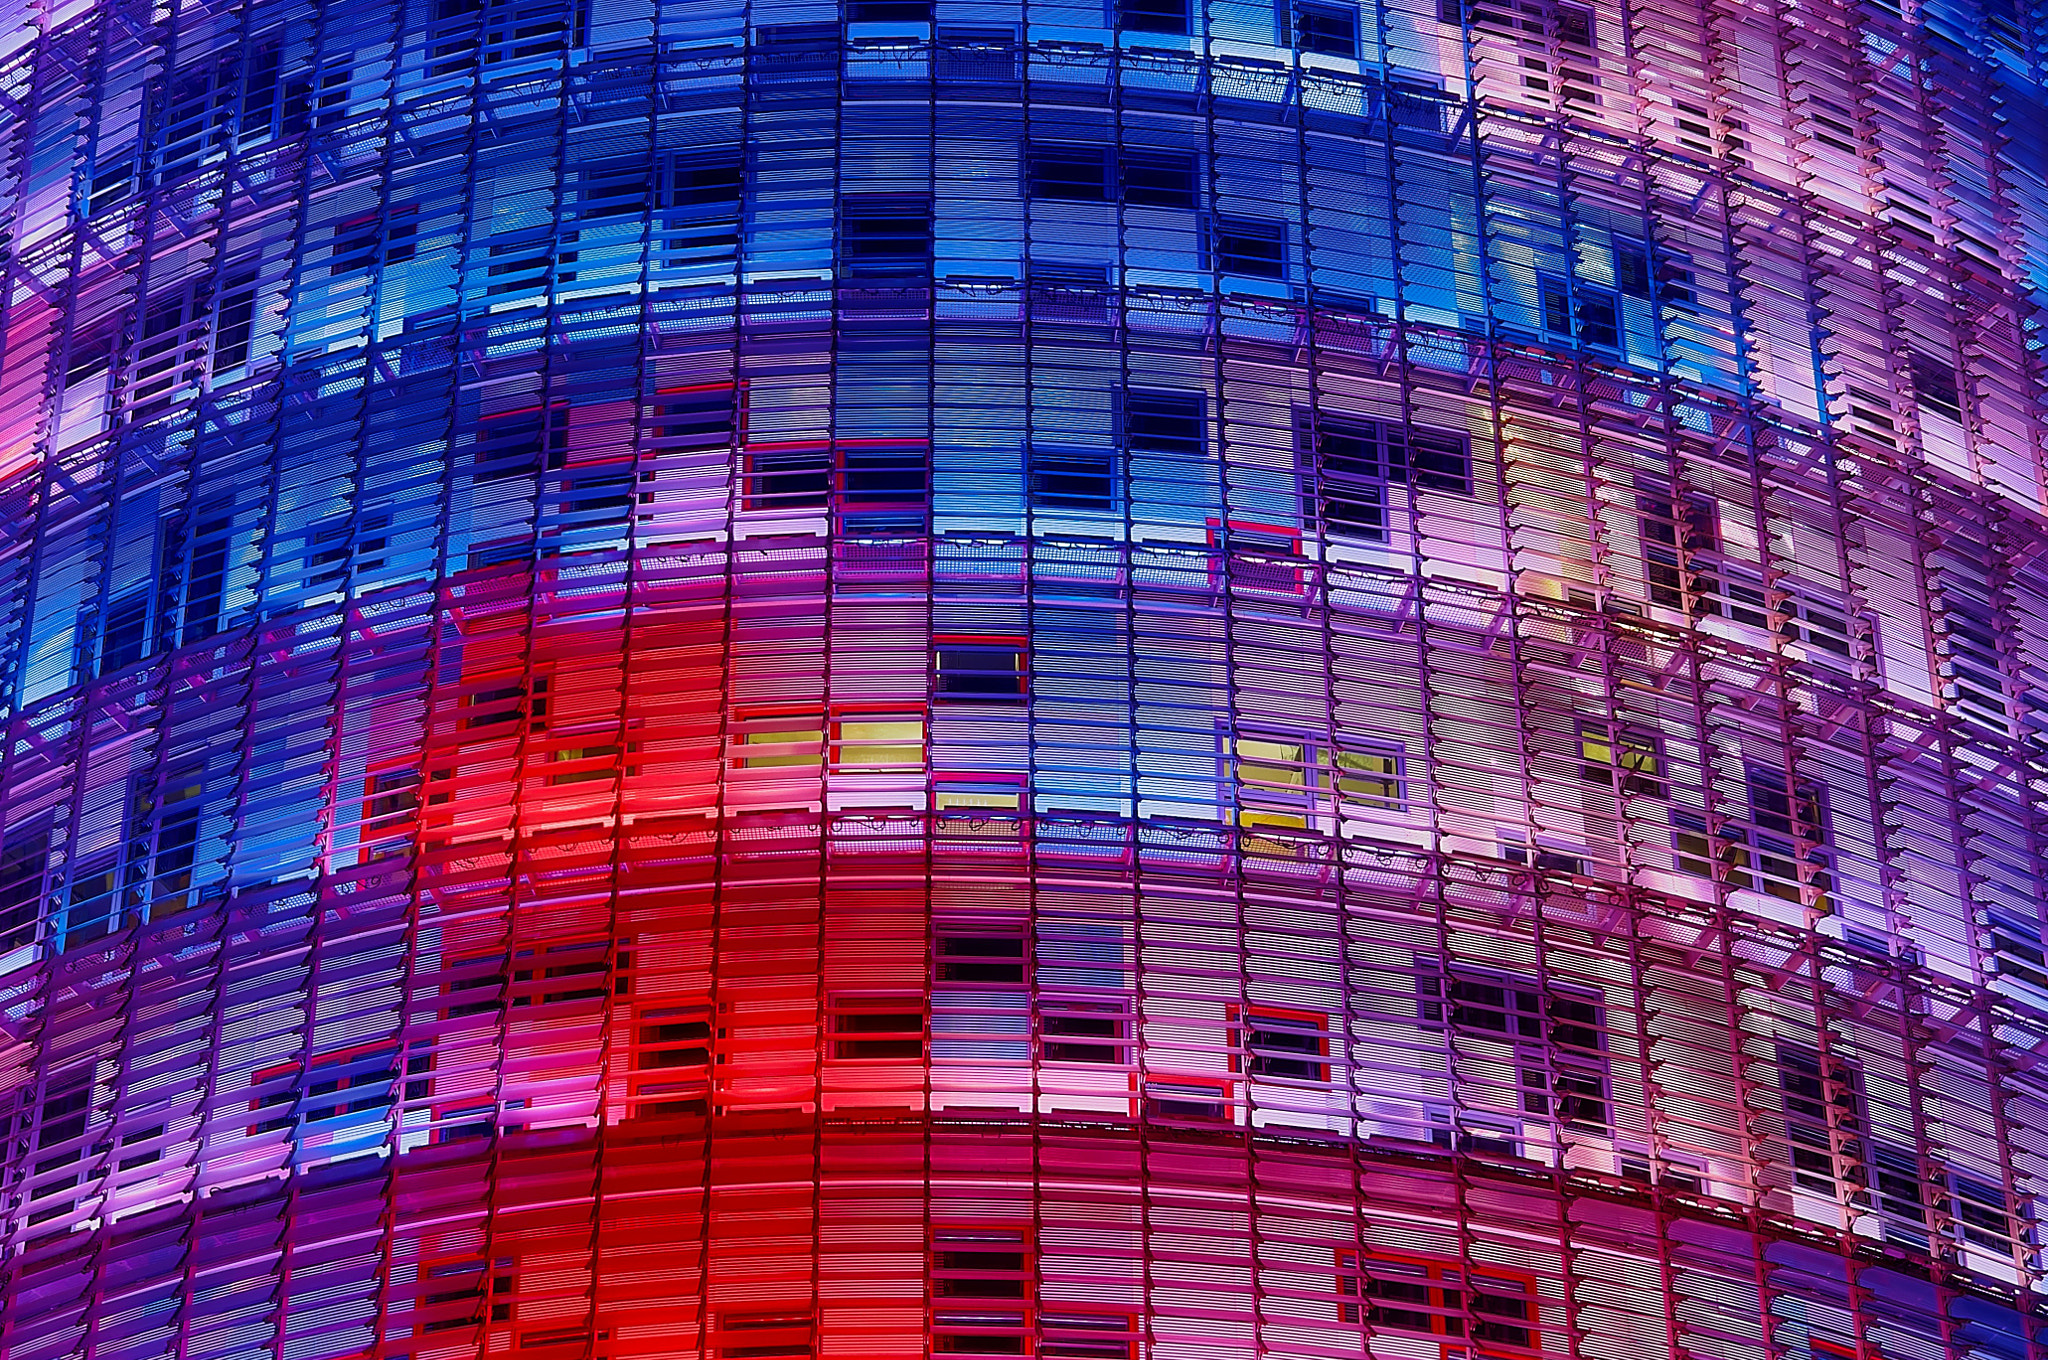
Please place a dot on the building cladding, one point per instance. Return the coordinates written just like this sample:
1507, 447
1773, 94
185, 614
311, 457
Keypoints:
1188, 682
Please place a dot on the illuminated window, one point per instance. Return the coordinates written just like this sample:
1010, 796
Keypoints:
878, 741
1371, 777
1623, 755
970, 796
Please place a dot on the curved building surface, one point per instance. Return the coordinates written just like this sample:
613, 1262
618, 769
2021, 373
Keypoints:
740, 681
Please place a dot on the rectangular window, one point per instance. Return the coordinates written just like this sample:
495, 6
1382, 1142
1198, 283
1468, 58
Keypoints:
778, 741
1556, 307
1078, 1031
1153, 16
702, 184
1431, 1299
1170, 423
1251, 248
981, 1285
695, 417
889, 11
788, 478
1553, 1041
611, 189
1329, 30
363, 241
1073, 479
877, 1028
1287, 1045
873, 742
886, 236
1672, 534
980, 958
1069, 1335
1599, 319
1352, 460
983, 669
872, 477
1623, 756
1075, 174
1160, 179
1935, 385
1632, 269
1371, 777
1823, 1123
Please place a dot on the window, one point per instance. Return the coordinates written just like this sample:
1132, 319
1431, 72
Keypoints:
886, 237
1170, 423
1556, 306
889, 11
1430, 1298
1073, 479
695, 417
521, 30
1159, 179
1980, 1214
1623, 755
1153, 16
357, 240
704, 184
1599, 318
987, 670
1251, 248
788, 478
981, 959
877, 1028
612, 189
778, 741
1329, 30
872, 742
1186, 1098
1935, 385
1371, 777
1076, 174
765, 1336
1552, 1041
1275, 778
883, 487
1086, 1336
1262, 558
1823, 1125
1692, 525
1077, 1031
1353, 460
981, 1290
1288, 1045
1765, 854
522, 443
1631, 269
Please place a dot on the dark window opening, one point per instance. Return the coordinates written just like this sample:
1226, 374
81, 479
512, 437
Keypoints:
886, 237
1160, 179
1934, 383
1556, 307
1077, 174
1073, 479
704, 188
1251, 248
1292, 1047
1165, 422
1631, 269
1153, 16
1078, 1035
879, 1028
1075, 293
789, 479
981, 670
981, 959
889, 11
1329, 30
1599, 319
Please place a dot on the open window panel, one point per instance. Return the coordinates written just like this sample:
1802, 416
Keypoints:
1257, 559
1773, 841
876, 1027
1491, 1309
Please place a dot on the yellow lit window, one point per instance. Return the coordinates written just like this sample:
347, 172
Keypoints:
1370, 777
1274, 764
881, 741
965, 797
1635, 755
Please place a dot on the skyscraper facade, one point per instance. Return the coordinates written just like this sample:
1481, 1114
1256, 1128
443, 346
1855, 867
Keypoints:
1172, 681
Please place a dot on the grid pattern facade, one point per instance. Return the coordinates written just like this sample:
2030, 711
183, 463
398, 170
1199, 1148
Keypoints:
1178, 681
